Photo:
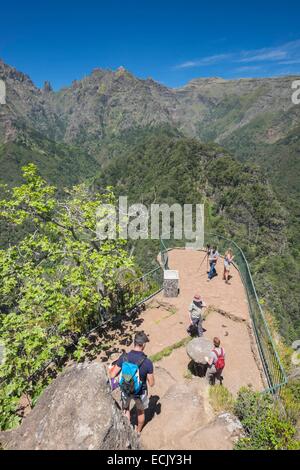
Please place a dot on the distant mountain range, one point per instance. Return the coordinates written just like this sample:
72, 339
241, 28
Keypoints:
253, 118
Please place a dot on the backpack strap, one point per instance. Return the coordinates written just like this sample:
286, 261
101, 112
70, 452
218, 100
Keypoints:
125, 357
218, 355
140, 362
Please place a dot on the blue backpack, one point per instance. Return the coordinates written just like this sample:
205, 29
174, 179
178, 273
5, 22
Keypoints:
130, 382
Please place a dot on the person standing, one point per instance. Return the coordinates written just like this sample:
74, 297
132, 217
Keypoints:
195, 315
136, 373
216, 363
228, 258
213, 257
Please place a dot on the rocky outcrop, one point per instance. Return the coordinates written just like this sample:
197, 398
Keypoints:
220, 434
186, 421
164, 378
47, 88
75, 412
182, 409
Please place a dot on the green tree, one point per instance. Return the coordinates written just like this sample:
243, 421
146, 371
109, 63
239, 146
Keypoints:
53, 283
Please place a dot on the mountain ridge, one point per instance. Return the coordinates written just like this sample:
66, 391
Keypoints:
106, 102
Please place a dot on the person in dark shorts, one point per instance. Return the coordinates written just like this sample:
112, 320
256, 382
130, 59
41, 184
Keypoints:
213, 257
143, 377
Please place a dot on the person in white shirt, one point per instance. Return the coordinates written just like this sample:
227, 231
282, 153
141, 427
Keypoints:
195, 315
228, 258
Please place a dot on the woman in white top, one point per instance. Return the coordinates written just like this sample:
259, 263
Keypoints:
228, 258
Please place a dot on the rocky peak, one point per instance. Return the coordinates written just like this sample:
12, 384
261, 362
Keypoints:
10, 73
47, 88
121, 69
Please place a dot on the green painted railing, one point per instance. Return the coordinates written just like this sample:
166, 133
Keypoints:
141, 289
273, 368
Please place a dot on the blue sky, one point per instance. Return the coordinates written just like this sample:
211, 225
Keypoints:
170, 41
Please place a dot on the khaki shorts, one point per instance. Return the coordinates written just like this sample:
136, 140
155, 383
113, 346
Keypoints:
227, 267
141, 402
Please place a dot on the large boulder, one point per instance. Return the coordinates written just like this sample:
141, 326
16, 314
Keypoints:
76, 411
198, 348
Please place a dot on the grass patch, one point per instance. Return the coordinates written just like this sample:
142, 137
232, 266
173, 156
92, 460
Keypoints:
171, 311
169, 349
221, 399
207, 311
188, 375
290, 396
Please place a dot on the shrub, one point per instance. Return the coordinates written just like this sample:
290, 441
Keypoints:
266, 429
53, 283
290, 396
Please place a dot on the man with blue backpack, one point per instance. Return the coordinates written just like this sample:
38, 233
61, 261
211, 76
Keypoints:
135, 372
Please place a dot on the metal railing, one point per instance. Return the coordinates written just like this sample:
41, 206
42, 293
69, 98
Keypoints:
141, 289
273, 368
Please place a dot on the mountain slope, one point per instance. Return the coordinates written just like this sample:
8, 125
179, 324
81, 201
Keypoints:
250, 117
61, 164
